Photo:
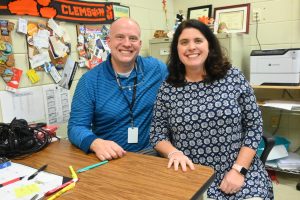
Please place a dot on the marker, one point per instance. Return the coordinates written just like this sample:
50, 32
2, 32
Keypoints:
73, 173
65, 189
50, 192
11, 181
36, 173
92, 166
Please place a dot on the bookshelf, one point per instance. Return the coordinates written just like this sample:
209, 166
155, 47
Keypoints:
284, 94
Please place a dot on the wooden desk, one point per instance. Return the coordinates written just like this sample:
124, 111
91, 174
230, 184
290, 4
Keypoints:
134, 176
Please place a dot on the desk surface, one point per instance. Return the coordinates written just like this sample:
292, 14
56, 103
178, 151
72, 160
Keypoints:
134, 176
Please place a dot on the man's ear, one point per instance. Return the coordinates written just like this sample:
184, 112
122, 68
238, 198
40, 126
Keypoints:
108, 41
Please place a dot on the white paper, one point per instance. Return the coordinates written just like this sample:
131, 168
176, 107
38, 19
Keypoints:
69, 70
286, 105
59, 48
45, 181
39, 59
278, 151
291, 162
54, 74
22, 26
26, 103
41, 39
50, 103
57, 104
55, 27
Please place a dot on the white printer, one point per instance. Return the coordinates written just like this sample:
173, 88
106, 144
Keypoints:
277, 66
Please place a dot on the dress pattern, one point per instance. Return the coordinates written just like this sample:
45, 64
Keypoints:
209, 123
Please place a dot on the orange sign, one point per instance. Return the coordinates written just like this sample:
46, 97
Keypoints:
67, 10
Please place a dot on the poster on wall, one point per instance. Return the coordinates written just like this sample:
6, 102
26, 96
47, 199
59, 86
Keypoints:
92, 47
66, 10
121, 11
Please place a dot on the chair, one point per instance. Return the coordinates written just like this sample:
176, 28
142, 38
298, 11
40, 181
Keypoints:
269, 144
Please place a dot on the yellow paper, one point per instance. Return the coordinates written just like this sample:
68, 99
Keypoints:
32, 75
26, 190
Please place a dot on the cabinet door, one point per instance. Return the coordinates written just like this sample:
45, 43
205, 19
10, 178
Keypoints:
160, 48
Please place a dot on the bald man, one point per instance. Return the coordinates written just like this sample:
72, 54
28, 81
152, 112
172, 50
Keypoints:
112, 104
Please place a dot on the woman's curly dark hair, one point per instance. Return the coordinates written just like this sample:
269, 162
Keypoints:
216, 64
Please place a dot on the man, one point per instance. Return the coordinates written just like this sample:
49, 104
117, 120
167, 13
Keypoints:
112, 105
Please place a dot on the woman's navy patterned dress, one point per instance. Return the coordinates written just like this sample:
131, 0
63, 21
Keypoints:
210, 123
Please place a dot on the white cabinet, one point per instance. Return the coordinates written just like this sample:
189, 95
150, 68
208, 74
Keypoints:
236, 48
160, 48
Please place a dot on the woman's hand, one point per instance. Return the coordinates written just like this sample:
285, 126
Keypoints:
176, 158
232, 182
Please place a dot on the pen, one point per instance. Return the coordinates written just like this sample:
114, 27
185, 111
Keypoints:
36, 173
92, 166
50, 192
65, 189
34, 197
11, 181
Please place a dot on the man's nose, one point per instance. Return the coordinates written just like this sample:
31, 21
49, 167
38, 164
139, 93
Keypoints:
126, 41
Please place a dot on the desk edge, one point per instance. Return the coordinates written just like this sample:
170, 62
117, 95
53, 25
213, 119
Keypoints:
204, 187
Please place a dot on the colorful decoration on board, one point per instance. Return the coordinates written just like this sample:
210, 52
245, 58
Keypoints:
92, 47
10, 74
66, 10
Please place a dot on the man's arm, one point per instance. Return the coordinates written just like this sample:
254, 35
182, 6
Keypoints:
79, 127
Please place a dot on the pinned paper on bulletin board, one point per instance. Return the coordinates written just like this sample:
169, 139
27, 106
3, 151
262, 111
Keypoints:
92, 47
48, 47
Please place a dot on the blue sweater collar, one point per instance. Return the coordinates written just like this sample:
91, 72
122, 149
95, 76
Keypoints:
108, 69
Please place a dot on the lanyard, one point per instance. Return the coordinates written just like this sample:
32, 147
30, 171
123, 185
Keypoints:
130, 104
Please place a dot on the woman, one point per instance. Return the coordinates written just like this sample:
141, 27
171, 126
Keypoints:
206, 113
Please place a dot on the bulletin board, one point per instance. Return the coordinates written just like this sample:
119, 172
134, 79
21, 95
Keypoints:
92, 47
46, 47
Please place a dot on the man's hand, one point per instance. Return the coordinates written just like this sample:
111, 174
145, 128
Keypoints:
106, 149
232, 182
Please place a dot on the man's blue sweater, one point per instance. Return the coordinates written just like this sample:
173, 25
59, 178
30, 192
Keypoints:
100, 109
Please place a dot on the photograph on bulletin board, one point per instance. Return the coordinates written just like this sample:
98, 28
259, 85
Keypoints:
121, 11
92, 47
48, 46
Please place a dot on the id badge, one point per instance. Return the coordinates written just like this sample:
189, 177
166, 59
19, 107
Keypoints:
133, 133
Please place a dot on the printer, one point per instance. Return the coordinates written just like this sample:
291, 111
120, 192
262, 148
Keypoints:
275, 67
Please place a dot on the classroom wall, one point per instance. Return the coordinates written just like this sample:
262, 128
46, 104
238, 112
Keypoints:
149, 14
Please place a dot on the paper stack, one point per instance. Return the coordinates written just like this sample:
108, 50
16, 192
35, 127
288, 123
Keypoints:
291, 162
286, 105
